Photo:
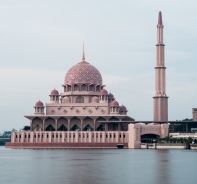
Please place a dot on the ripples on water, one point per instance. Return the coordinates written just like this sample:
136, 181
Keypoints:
98, 166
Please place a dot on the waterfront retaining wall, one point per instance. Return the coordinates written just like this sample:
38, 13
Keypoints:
163, 146
64, 145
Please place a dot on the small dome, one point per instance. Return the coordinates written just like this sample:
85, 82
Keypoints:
39, 104
110, 96
95, 99
123, 108
114, 103
66, 99
103, 92
54, 92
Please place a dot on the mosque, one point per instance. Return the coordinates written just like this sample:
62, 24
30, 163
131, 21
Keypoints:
84, 105
85, 115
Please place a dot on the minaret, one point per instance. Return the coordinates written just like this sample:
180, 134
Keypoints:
160, 98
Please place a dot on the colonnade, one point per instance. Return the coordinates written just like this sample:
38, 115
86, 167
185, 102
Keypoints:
70, 137
56, 123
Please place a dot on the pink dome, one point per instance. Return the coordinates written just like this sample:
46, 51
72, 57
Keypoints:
110, 96
83, 72
54, 92
103, 92
39, 104
114, 103
123, 108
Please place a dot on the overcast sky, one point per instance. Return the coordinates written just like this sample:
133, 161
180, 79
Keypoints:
41, 40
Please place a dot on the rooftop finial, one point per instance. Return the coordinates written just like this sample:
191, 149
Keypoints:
83, 55
160, 19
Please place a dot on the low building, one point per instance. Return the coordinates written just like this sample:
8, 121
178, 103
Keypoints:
194, 113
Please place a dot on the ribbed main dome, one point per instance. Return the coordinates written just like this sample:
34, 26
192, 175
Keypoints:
83, 72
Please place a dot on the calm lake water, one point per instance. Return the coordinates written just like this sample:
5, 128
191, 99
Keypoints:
98, 166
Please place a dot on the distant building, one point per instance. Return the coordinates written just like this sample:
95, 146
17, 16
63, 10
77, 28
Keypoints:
194, 112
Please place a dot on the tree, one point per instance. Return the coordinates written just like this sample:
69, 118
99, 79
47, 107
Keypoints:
189, 140
187, 119
26, 128
14, 130
167, 139
7, 134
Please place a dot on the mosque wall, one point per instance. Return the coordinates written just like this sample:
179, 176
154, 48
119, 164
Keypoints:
132, 137
77, 110
70, 137
135, 132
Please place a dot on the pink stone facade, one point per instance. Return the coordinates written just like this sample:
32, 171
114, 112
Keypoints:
70, 137
84, 139
160, 98
84, 105
84, 114
137, 130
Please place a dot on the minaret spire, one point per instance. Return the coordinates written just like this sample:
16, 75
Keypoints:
160, 98
160, 19
83, 54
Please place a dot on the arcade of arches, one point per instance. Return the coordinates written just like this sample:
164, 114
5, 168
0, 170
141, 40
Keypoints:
78, 124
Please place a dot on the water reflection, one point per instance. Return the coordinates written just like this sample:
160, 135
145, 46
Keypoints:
163, 167
98, 166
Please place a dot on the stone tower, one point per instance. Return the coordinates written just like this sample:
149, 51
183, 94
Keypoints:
160, 99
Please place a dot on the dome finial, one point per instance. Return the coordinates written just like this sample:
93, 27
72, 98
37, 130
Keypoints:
83, 55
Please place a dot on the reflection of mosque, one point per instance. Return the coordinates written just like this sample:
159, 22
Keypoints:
83, 106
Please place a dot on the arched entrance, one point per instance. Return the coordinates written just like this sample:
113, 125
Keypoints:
62, 124
75, 124
62, 128
113, 126
37, 124
50, 128
88, 124
49, 124
149, 138
99, 125
88, 128
75, 128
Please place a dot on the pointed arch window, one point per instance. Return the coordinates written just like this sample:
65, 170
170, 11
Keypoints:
76, 88
91, 87
79, 99
98, 88
69, 88
83, 87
